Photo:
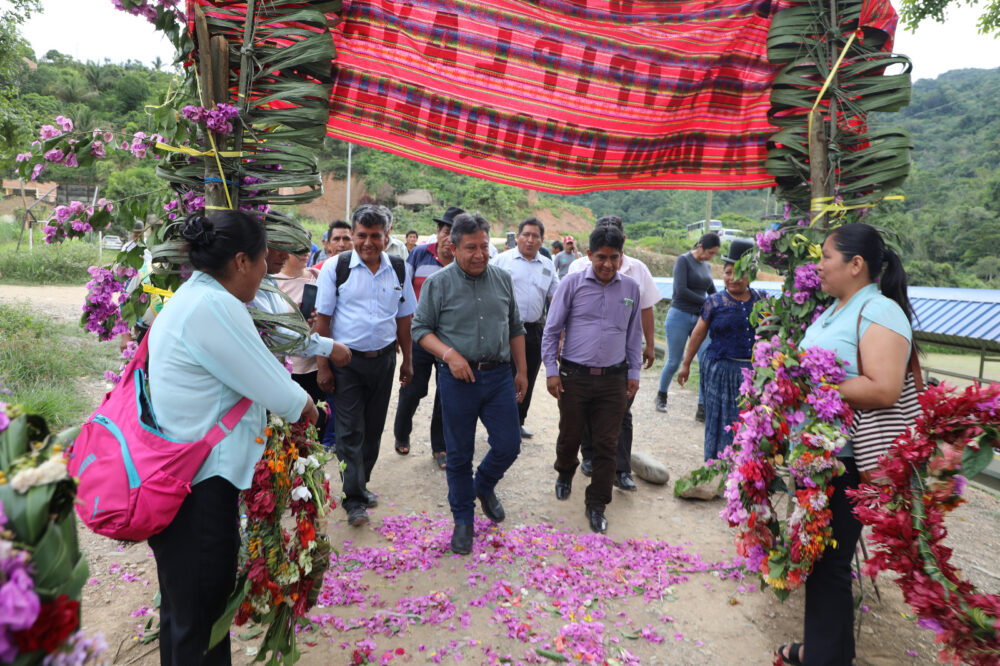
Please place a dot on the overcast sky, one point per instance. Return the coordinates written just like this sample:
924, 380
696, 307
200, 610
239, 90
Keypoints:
95, 30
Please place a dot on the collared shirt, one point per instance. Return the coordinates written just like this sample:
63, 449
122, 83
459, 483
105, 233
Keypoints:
424, 262
294, 288
204, 356
267, 301
535, 281
562, 261
602, 323
476, 316
364, 317
649, 293
396, 248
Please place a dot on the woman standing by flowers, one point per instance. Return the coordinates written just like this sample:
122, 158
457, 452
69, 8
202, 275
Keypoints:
205, 355
725, 318
692, 285
863, 322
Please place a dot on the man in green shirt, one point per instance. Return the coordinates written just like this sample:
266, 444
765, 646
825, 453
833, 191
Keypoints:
467, 317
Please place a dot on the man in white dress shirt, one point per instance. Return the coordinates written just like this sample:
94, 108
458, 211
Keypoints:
535, 281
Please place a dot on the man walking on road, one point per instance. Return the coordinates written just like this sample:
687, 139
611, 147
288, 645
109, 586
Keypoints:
468, 318
370, 307
424, 261
598, 311
535, 282
649, 295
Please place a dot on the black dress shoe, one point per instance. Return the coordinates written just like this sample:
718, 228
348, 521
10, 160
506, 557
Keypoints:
699, 414
564, 485
526, 434
492, 507
357, 517
624, 481
587, 467
461, 539
598, 523
371, 501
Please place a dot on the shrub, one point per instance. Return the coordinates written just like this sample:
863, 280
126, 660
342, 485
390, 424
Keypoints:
41, 363
66, 263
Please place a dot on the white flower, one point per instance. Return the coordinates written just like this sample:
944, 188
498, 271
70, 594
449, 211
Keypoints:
302, 464
301, 493
53, 469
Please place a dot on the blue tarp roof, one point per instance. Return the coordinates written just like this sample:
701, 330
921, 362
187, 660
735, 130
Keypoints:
965, 317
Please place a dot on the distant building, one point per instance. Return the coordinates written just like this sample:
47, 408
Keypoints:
32, 190
415, 198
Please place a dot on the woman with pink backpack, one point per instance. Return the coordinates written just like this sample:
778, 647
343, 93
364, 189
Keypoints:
205, 356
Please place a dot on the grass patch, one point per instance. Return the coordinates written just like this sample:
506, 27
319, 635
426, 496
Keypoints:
42, 364
65, 263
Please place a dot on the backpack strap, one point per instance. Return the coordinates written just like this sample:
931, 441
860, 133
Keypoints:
228, 422
344, 270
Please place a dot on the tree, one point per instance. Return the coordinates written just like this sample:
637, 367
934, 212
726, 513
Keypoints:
913, 12
132, 90
987, 269
13, 68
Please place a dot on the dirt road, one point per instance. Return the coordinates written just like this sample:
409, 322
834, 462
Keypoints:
659, 589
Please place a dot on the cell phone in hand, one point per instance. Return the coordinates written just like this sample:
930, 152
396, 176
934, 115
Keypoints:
308, 300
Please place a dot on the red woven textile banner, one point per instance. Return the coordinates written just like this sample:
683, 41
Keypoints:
561, 95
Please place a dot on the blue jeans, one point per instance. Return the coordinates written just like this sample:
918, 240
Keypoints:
678, 327
490, 398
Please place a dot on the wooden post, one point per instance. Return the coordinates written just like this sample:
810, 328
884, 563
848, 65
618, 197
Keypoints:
215, 194
818, 162
708, 211
242, 99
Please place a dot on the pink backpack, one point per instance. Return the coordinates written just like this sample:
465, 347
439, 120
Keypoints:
132, 478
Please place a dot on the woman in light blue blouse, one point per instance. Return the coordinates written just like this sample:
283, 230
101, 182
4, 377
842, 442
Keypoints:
875, 325
204, 356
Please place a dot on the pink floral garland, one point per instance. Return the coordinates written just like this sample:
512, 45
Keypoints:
797, 418
916, 484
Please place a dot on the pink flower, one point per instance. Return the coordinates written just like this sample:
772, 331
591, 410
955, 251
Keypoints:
65, 123
22, 157
37, 171
48, 132
71, 161
55, 155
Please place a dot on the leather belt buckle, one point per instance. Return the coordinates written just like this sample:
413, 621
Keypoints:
596, 371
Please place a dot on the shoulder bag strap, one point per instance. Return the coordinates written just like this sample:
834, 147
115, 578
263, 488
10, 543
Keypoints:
228, 422
914, 364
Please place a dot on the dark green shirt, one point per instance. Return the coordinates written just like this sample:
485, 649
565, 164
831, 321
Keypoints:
476, 316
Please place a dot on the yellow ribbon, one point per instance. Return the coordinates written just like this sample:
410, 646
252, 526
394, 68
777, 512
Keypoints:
162, 293
199, 153
815, 251
836, 208
218, 164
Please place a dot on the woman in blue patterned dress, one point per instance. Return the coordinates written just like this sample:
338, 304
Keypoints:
725, 316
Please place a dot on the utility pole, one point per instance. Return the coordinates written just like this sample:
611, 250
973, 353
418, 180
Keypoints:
708, 212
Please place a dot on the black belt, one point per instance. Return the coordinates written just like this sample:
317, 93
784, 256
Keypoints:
534, 324
376, 353
609, 370
487, 365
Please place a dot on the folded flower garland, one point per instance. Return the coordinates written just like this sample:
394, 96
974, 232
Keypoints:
916, 484
797, 420
41, 568
282, 569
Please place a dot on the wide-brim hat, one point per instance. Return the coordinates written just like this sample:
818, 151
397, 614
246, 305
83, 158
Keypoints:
449, 216
737, 249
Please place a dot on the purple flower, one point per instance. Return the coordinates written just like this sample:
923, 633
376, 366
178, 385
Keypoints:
807, 277
765, 241
65, 123
70, 160
22, 157
97, 149
55, 155
19, 605
48, 132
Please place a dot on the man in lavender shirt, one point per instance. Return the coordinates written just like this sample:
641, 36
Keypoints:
598, 311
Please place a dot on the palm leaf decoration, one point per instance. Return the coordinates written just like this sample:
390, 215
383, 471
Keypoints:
864, 163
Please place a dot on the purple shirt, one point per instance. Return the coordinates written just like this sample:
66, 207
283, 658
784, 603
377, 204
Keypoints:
602, 323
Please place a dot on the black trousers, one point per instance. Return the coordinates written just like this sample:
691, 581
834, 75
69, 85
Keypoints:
410, 397
361, 401
533, 358
829, 622
196, 560
599, 402
309, 382
623, 460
